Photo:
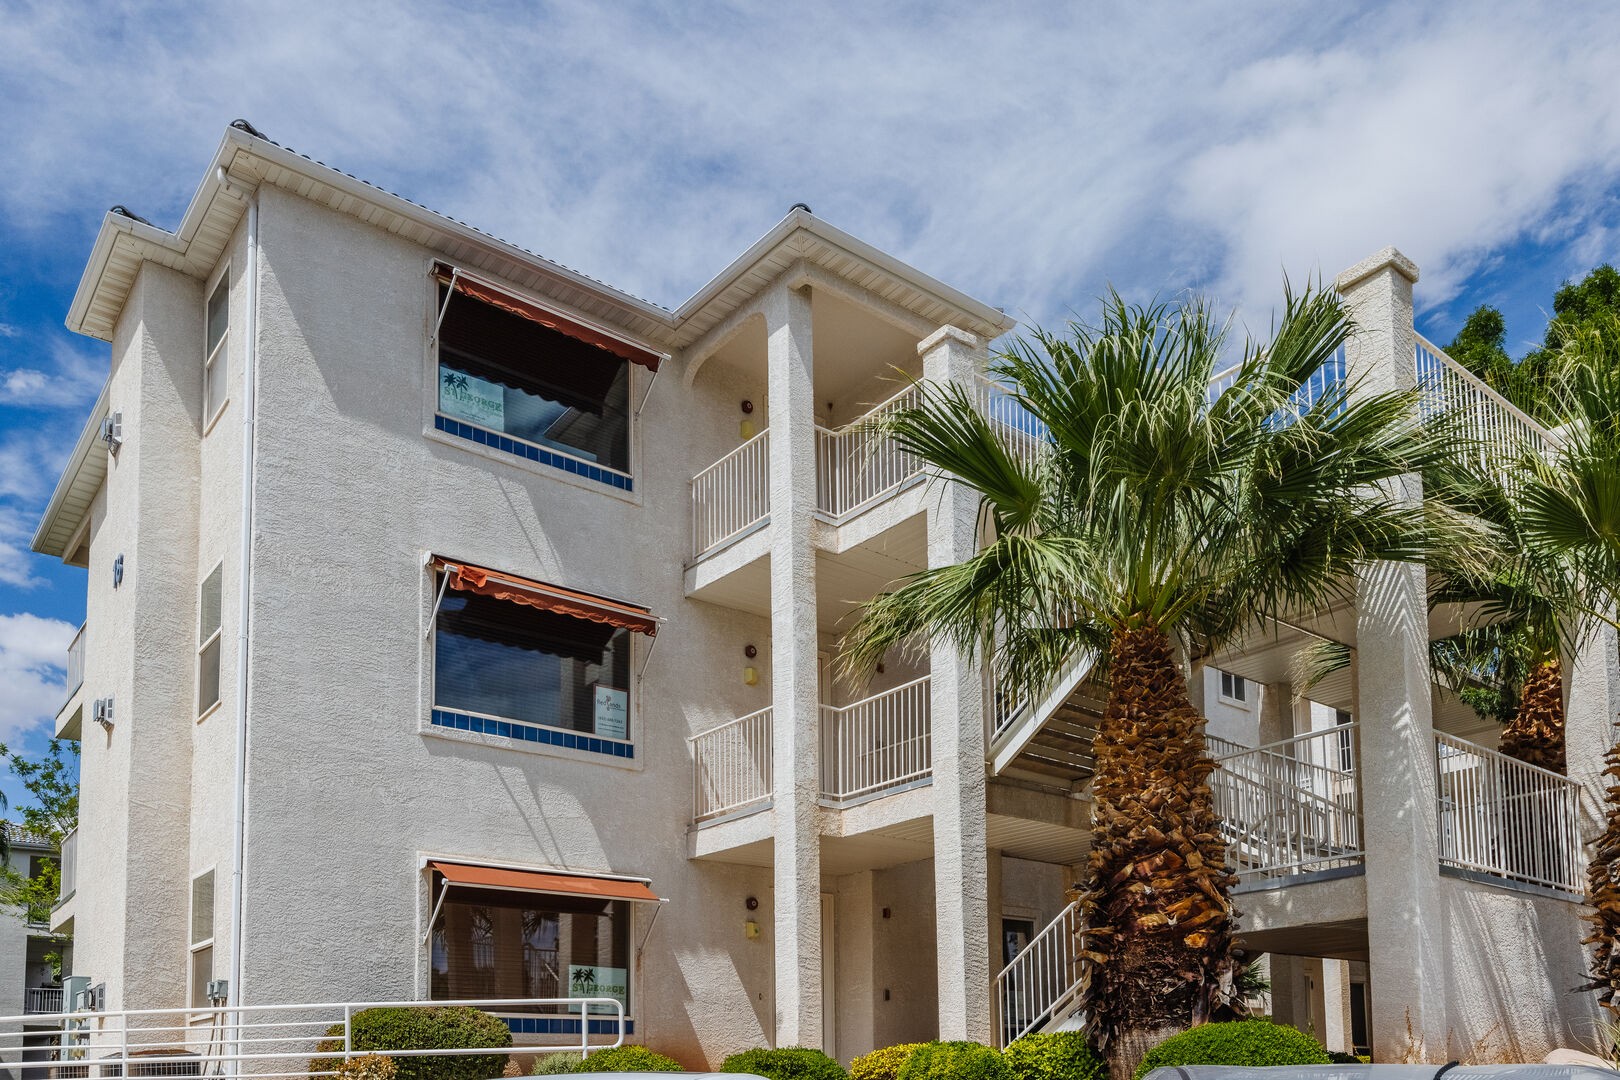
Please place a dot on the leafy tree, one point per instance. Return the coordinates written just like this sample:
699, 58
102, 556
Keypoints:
1154, 518
53, 781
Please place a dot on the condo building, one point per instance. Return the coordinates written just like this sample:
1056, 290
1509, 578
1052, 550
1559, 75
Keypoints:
461, 627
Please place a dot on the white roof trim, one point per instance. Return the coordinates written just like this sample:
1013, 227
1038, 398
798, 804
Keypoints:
85, 471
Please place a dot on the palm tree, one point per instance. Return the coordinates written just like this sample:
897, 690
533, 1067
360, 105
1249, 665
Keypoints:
1160, 517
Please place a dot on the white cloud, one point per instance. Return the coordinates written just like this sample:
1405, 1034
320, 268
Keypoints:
69, 378
1024, 157
33, 653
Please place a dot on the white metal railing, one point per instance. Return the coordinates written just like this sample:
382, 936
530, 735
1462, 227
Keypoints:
732, 495
288, 1041
1025, 435
878, 743
857, 465
1498, 428
1041, 983
75, 663
68, 867
1504, 817
42, 999
1294, 806
731, 766
1006, 707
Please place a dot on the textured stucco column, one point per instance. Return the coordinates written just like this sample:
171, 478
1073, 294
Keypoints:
1393, 698
795, 714
1592, 707
1276, 712
956, 701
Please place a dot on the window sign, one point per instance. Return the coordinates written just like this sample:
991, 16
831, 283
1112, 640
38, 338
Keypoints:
467, 397
612, 713
591, 981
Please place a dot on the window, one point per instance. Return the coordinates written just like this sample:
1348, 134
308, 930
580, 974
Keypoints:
521, 663
490, 944
208, 638
215, 367
202, 938
1234, 687
506, 373
1347, 752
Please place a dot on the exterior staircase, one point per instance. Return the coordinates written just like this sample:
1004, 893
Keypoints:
1050, 736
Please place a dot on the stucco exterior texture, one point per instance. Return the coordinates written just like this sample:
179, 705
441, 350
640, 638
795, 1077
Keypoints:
350, 788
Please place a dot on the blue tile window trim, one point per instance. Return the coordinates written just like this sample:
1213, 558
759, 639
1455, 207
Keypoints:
507, 729
559, 1025
530, 452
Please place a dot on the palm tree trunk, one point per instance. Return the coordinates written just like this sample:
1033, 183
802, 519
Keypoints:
1603, 894
1536, 732
1156, 951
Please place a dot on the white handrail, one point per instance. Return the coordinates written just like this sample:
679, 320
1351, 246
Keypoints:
1499, 428
1507, 818
75, 661
732, 495
731, 765
1292, 806
1041, 983
68, 865
264, 1040
857, 465
880, 742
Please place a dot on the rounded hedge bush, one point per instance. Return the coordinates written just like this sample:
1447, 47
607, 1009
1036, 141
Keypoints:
1240, 1042
450, 1027
954, 1061
555, 1064
881, 1064
785, 1063
1057, 1055
627, 1059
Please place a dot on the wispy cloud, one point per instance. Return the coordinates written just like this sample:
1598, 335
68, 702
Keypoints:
1025, 158
32, 655
69, 377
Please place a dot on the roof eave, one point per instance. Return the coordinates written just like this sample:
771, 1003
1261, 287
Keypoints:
56, 530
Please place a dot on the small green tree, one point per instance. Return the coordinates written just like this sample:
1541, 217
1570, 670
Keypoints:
52, 780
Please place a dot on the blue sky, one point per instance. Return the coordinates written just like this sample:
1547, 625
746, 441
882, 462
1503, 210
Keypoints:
1027, 153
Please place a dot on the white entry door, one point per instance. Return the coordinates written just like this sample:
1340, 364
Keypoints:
829, 1013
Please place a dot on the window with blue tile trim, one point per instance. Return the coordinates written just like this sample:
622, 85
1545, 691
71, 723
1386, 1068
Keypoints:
526, 389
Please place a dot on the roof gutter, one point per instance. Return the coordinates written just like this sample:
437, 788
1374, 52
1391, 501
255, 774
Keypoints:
88, 438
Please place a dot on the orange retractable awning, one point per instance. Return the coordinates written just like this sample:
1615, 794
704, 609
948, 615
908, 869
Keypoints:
546, 597
495, 297
489, 877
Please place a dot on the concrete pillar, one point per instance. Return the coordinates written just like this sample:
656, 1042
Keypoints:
1393, 698
1591, 708
858, 993
956, 703
795, 734
1276, 712
1334, 1027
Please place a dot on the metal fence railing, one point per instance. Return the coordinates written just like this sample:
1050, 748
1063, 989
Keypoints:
1498, 429
731, 766
732, 495
880, 742
275, 1041
1041, 984
1293, 806
1504, 817
858, 465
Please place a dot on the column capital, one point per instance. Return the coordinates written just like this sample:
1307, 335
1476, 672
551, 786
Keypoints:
1389, 257
945, 333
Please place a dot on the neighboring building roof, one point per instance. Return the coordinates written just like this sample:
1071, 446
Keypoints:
18, 837
246, 159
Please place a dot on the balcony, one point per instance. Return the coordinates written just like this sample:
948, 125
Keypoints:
70, 717
1503, 819
873, 747
61, 916
42, 999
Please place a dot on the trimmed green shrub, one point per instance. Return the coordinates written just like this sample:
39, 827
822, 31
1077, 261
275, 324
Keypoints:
954, 1061
785, 1063
1057, 1055
1240, 1042
555, 1064
627, 1059
453, 1027
368, 1067
881, 1064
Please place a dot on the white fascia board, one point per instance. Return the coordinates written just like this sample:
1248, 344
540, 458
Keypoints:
82, 459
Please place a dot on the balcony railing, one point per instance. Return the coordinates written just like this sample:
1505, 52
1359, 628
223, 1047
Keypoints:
1503, 817
731, 767
42, 999
877, 743
1292, 807
1498, 429
75, 663
69, 869
857, 466
731, 496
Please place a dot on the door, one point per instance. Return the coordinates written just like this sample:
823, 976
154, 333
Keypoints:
829, 1000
